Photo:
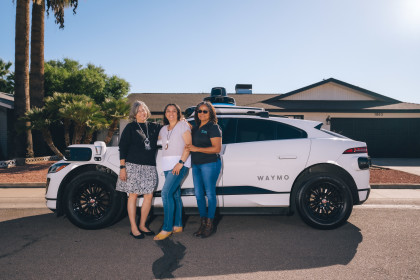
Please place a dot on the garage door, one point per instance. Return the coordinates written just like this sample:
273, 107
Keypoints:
384, 137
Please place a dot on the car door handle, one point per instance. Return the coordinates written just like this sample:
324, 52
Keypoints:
287, 157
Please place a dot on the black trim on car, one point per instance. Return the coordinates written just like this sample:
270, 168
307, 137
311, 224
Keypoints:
367, 196
233, 190
280, 210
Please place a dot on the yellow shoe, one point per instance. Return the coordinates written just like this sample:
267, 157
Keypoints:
177, 229
162, 236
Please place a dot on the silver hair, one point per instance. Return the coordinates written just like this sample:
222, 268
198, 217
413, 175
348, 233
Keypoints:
135, 109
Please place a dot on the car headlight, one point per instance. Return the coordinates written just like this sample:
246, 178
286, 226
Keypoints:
57, 167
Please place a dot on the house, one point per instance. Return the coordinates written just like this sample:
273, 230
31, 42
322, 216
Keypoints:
391, 128
6, 116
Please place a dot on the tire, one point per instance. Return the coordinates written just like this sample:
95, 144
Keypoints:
91, 201
324, 201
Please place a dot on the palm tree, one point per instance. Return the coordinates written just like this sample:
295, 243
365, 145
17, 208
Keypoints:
23, 146
36, 75
6, 77
58, 6
82, 114
114, 110
96, 122
41, 119
37, 47
36, 72
54, 104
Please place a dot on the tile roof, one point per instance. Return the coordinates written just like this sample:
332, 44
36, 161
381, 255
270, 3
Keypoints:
7, 100
157, 101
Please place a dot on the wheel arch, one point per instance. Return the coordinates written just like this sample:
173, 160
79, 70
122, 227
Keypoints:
73, 174
323, 168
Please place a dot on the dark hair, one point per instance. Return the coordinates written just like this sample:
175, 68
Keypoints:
178, 113
212, 112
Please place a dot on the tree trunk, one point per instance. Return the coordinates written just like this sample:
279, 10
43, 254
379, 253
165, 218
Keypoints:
79, 130
36, 74
111, 131
67, 132
37, 54
22, 102
88, 137
48, 138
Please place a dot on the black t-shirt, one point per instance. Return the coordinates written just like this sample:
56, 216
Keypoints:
201, 138
132, 147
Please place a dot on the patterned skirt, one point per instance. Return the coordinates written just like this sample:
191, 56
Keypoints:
141, 179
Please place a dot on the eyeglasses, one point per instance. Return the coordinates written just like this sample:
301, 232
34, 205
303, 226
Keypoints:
202, 111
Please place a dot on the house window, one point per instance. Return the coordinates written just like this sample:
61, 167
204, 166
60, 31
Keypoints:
300, 117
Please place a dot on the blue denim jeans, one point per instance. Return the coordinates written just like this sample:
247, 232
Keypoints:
205, 179
171, 198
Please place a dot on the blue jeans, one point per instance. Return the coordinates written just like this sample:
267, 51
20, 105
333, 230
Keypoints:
205, 178
171, 198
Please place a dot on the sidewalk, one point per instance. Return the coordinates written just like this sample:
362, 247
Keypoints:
24, 198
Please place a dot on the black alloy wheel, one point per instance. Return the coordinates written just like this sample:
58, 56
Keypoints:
91, 201
324, 202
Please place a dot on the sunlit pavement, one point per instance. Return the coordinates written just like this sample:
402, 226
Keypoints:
380, 241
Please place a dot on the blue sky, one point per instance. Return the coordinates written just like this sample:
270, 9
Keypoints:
278, 46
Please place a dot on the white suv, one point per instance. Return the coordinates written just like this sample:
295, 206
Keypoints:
270, 164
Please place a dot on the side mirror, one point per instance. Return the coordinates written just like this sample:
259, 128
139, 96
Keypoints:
100, 148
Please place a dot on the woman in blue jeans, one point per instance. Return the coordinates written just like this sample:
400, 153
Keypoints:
206, 164
175, 136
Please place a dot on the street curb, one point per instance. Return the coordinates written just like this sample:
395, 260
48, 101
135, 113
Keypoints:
395, 186
373, 186
22, 185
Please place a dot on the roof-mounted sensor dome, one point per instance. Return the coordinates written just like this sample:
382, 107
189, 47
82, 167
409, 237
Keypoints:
218, 95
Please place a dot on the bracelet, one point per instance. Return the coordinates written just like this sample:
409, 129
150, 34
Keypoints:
122, 166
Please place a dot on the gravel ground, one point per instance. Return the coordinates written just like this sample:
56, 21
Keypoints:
37, 172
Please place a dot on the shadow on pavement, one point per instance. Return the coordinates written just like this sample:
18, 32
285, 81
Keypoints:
48, 247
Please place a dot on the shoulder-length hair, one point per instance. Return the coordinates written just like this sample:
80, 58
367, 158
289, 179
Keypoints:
212, 112
135, 108
178, 113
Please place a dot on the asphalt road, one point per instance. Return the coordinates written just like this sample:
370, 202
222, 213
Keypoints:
380, 241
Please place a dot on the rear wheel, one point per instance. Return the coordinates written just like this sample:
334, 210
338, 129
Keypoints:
91, 201
324, 201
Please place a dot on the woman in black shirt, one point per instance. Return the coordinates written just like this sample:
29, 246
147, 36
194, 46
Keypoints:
206, 164
138, 175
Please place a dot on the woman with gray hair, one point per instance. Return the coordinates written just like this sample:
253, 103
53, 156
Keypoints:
138, 175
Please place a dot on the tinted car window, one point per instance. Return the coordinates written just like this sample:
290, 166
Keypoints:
251, 130
228, 126
285, 131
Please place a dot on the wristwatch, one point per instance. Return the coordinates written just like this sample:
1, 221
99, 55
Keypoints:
180, 161
122, 166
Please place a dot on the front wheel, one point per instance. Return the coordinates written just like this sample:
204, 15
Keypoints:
91, 201
324, 201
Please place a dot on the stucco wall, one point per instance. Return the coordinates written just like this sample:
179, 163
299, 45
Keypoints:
3, 132
322, 117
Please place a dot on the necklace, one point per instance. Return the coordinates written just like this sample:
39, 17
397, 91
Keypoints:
146, 141
168, 136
